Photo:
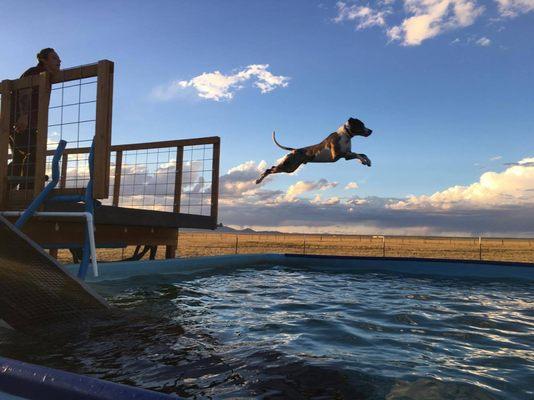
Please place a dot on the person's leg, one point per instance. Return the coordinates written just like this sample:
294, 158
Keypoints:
15, 167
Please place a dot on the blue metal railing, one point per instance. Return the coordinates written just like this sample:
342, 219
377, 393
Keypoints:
38, 201
86, 198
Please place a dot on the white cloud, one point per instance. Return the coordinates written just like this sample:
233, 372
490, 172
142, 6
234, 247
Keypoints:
307, 186
420, 20
483, 41
512, 187
364, 16
218, 86
351, 185
495, 158
317, 200
429, 18
513, 8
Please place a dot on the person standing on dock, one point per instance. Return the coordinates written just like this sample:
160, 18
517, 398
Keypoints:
23, 136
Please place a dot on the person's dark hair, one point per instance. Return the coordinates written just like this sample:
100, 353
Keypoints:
44, 53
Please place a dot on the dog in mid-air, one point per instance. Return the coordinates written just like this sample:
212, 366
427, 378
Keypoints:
332, 148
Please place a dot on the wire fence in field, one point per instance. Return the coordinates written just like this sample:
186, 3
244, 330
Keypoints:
193, 244
478, 248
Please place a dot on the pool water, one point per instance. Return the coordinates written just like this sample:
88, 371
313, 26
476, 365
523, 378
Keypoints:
294, 333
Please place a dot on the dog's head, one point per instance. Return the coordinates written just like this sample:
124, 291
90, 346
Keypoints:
355, 127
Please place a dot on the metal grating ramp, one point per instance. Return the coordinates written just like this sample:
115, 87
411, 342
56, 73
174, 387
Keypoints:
35, 290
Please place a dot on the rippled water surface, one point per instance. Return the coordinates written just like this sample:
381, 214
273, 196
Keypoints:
288, 333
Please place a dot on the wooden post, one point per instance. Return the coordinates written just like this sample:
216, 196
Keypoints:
178, 179
117, 180
170, 251
64, 164
42, 133
480, 248
104, 104
5, 129
215, 183
236, 243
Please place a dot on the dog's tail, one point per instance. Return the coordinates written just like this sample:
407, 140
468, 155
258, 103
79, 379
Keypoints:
279, 145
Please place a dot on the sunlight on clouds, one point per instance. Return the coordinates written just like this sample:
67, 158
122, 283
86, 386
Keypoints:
218, 86
351, 185
307, 186
432, 17
420, 20
301, 207
317, 200
494, 189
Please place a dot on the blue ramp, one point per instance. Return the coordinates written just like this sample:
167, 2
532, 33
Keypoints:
35, 290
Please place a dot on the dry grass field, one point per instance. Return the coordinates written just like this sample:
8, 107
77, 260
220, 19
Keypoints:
194, 244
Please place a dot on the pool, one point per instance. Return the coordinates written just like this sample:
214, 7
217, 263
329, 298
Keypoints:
304, 327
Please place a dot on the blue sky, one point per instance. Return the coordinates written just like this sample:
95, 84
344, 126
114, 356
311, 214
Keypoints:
446, 85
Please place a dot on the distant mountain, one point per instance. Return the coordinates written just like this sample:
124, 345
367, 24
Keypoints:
226, 229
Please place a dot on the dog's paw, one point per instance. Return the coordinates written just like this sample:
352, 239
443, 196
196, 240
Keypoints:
365, 160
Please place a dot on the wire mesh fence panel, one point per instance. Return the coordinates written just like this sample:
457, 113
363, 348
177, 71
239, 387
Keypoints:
72, 117
197, 180
147, 179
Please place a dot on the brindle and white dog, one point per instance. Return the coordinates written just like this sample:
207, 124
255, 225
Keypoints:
331, 149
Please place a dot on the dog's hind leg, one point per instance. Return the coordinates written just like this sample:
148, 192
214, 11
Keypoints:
264, 175
289, 164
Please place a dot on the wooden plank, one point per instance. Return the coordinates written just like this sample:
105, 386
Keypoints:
215, 183
178, 179
53, 232
42, 132
102, 131
117, 180
5, 129
166, 143
65, 75
64, 164
75, 73
122, 216
25, 83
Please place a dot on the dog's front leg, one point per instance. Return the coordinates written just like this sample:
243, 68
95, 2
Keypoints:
362, 157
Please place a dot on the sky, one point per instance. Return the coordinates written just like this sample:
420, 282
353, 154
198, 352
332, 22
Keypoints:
446, 86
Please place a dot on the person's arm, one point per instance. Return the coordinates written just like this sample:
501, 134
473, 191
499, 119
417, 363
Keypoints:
24, 99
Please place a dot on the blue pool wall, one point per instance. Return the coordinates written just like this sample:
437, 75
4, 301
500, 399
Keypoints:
230, 263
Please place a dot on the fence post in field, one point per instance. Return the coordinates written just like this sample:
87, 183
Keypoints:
236, 243
480, 248
304, 247
383, 246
